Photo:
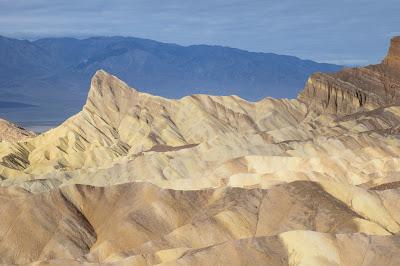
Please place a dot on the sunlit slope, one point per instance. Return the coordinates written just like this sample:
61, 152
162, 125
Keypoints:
136, 179
141, 223
11, 132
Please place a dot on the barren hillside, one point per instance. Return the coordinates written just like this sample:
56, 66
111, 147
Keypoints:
136, 179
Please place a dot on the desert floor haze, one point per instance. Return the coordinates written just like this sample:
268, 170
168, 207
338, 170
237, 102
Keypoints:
138, 179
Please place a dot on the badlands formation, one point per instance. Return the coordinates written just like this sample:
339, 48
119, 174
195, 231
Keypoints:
11, 132
136, 179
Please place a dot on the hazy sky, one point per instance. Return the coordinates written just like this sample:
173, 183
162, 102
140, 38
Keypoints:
337, 31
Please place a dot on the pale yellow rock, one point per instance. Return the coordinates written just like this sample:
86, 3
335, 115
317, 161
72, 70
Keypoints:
136, 179
11, 132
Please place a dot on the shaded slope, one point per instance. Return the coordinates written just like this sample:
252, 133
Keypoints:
356, 89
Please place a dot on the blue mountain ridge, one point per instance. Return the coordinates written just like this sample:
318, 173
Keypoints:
55, 73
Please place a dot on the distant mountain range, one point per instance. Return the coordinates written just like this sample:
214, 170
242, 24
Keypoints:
54, 73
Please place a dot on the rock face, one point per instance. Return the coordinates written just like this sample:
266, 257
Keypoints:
136, 179
12, 132
393, 57
356, 89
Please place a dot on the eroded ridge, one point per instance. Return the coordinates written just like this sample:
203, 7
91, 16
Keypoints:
136, 179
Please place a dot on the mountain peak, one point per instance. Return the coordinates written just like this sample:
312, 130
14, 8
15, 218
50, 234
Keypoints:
109, 96
393, 56
104, 85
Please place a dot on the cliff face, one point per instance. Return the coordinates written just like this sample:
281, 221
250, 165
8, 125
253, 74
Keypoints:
325, 93
393, 57
356, 89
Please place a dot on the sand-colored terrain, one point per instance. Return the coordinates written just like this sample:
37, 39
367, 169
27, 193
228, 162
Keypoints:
136, 179
12, 133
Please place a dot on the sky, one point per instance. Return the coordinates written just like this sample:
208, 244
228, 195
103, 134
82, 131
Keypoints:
348, 32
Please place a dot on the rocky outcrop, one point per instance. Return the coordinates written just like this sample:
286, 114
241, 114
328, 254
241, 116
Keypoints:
393, 57
325, 93
12, 132
356, 89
